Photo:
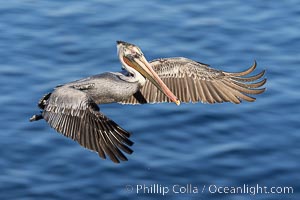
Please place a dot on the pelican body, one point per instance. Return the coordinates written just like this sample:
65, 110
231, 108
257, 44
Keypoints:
72, 109
107, 87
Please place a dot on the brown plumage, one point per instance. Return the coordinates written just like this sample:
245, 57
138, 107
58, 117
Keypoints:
192, 81
72, 109
75, 114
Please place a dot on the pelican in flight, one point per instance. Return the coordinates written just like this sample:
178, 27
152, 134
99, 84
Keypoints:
72, 109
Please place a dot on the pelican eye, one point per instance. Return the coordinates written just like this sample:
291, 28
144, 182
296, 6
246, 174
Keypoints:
137, 55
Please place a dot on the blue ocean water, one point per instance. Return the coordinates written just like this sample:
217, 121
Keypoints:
194, 150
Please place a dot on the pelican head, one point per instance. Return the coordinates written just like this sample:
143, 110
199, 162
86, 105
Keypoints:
133, 60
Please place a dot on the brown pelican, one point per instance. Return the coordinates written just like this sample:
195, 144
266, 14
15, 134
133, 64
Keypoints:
72, 110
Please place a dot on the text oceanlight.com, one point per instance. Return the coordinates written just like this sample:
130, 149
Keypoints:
211, 189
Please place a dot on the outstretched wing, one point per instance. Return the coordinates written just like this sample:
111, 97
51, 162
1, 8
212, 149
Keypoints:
192, 81
74, 114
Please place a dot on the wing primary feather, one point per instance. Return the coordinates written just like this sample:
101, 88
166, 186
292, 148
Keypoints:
187, 89
76, 132
251, 85
244, 96
116, 145
229, 92
123, 138
242, 89
109, 142
213, 92
250, 78
108, 151
206, 93
114, 148
85, 131
243, 73
119, 142
123, 135
184, 91
201, 96
221, 92
193, 90
61, 123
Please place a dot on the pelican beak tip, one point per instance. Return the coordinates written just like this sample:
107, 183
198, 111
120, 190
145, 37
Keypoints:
177, 102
